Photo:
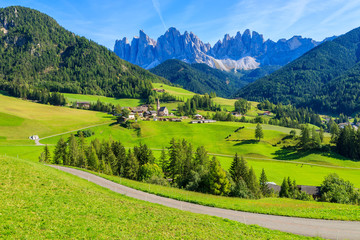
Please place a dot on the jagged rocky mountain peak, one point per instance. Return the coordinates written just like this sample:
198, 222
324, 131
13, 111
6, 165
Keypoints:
248, 50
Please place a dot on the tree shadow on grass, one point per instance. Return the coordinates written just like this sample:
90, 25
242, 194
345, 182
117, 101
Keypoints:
290, 154
244, 142
333, 154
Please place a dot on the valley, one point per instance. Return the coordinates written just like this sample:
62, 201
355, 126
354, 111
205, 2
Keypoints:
175, 138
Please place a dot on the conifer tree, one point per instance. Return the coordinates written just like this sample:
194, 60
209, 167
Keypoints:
60, 153
164, 162
334, 131
265, 190
188, 161
316, 138
102, 165
175, 159
120, 153
259, 132
235, 169
131, 166
93, 160
73, 151
218, 182
201, 157
112, 162
284, 192
47, 157
253, 184
321, 134
244, 170
305, 137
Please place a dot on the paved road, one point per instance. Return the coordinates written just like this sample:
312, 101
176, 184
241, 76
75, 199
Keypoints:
37, 141
302, 226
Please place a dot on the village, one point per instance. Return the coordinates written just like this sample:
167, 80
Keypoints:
145, 113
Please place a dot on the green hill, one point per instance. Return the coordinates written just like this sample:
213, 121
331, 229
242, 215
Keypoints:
39, 202
327, 78
198, 78
37, 53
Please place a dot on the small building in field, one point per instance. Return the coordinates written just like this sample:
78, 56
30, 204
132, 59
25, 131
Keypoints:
83, 105
131, 116
314, 191
158, 90
175, 119
34, 137
153, 113
142, 108
266, 113
203, 121
276, 188
236, 114
198, 117
121, 119
163, 111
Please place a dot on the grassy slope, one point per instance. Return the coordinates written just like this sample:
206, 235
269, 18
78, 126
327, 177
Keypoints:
124, 102
158, 134
275, 206
20, 119
38, 202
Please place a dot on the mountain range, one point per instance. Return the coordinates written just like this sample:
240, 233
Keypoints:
242, 52
326, 79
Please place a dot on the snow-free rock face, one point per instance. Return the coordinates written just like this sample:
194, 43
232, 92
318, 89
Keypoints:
244, 51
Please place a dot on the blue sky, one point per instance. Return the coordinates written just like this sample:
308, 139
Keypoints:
104, 21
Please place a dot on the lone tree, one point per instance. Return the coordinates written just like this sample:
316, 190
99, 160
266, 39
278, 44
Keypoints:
259, 132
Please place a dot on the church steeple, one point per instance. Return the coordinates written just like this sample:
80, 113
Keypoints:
158, 105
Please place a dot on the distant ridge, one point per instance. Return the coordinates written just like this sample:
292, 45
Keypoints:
200, 78
242, 52
327, 78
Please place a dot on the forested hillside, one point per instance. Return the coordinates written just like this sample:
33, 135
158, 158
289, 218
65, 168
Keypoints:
326, 78
191, 78
200, 78
37, 53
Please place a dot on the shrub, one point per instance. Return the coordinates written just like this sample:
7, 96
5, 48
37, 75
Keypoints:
149, 170
337, 190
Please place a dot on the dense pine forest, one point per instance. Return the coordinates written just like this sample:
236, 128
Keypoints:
37, 53
199, 78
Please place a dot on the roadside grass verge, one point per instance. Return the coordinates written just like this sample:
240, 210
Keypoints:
273, 206
39, 202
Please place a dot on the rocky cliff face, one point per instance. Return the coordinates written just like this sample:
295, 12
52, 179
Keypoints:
244, 51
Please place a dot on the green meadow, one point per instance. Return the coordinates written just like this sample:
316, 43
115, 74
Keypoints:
124, 102
40, 202
278, 163
20, 119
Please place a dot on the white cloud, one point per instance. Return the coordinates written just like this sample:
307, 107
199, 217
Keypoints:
156, 5
349, 6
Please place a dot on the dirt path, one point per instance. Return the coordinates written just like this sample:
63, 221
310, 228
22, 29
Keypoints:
302, 226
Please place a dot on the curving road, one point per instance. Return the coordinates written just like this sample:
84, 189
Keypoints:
37, 141
302, 226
